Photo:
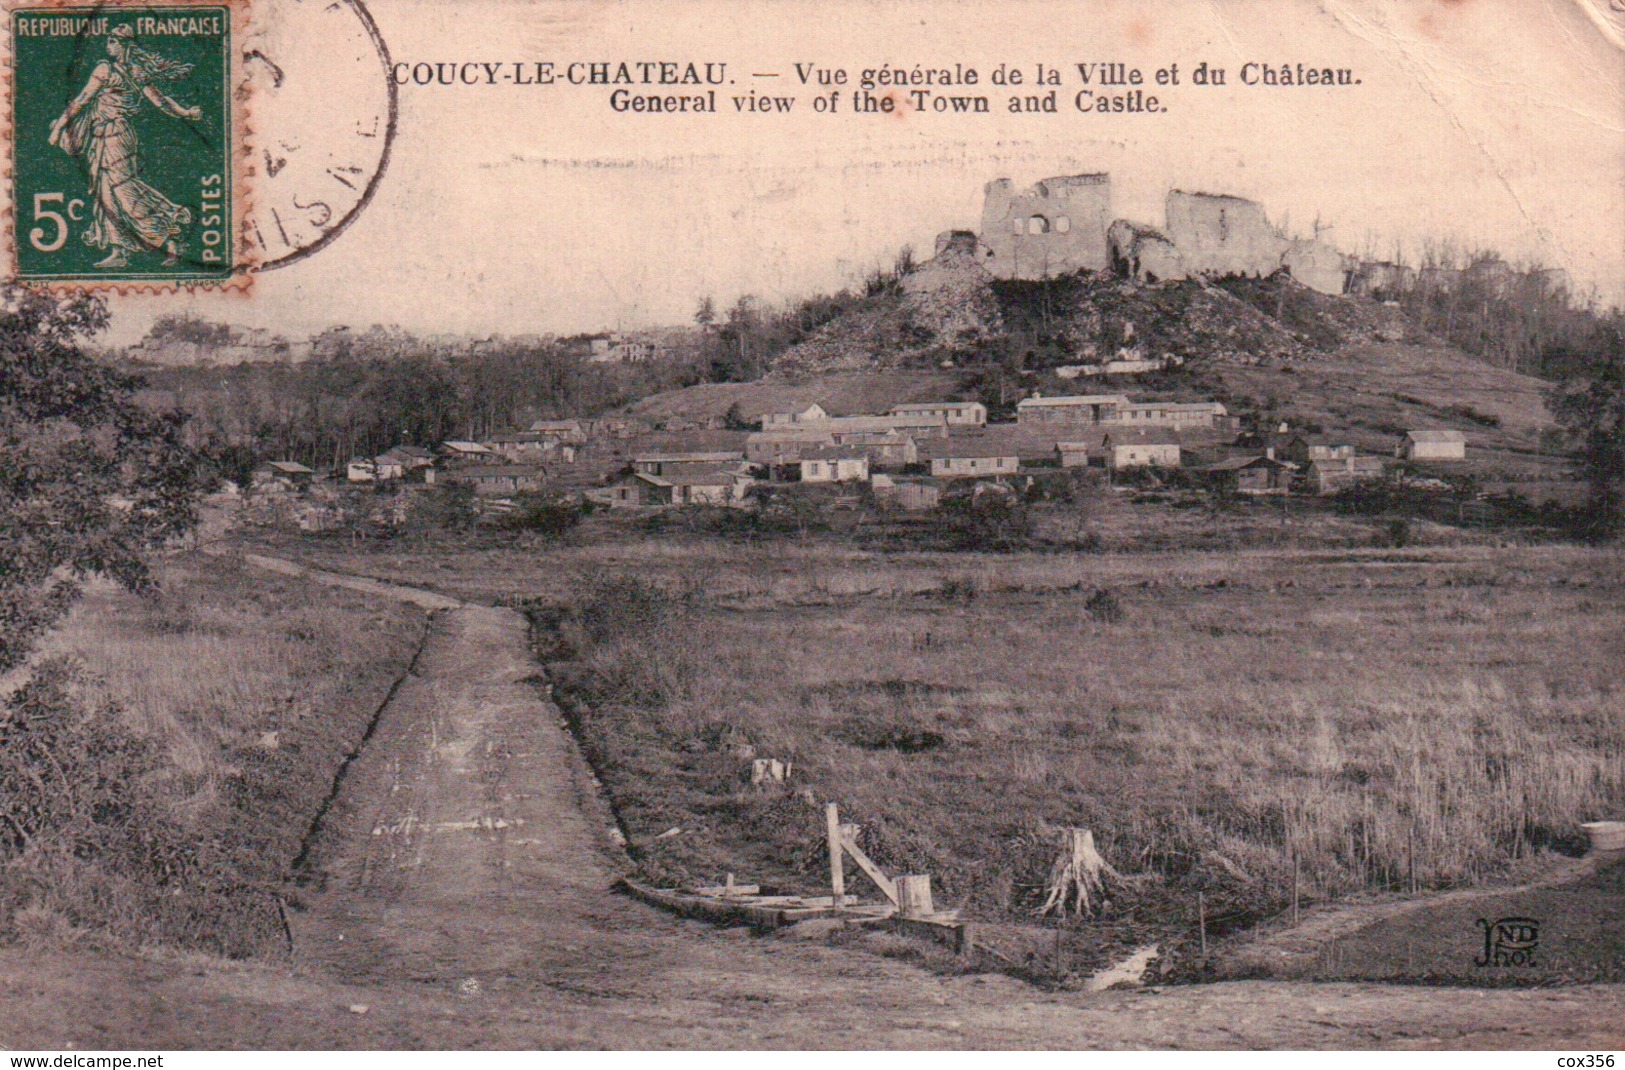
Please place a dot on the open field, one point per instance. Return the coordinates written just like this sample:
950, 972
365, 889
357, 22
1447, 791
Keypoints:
1393, 720
1374, 393
512, 938
245, 692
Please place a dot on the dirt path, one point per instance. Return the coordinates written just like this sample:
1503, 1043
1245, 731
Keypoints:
465, 901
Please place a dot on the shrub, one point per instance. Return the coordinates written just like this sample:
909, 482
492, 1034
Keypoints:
988, 521
86, 836
549, 518
1104, 606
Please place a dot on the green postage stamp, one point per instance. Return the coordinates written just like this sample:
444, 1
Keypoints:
123, 144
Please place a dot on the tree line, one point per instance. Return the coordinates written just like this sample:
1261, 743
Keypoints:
361, 393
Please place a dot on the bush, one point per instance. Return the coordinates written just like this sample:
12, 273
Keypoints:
546, 517
86, 836
1104, 606
988, 521
616, 607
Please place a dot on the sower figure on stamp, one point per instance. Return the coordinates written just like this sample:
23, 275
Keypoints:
127, 214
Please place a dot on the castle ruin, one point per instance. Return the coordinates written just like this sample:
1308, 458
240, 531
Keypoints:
1055, 227
1064, 224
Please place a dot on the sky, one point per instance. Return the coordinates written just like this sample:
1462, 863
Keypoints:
510, 209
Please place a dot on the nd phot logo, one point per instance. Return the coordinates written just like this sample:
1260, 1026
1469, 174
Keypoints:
1509, 942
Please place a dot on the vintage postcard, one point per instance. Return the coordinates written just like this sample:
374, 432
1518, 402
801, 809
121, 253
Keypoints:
1061, 524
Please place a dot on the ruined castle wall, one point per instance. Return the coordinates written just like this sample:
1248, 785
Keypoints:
1144, 253
1221, 235
1318, 266
1056, 227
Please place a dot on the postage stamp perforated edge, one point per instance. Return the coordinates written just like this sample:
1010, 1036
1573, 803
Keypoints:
241, 155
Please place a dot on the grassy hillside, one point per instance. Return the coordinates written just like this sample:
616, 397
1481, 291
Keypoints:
840, 393
231, 698
1375, 392
1212, 720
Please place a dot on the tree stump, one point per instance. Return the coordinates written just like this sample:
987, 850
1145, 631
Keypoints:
768, 771
1076, 873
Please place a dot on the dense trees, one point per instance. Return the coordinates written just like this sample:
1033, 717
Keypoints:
361, 393
1590, 404
90, 480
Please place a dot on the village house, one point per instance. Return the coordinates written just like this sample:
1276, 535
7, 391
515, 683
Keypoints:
961, 459
1077, 408
616, 349
287, 475
1299, 447
1139, 448
412, 464
1330, 475
408, 456
558, 430
660, 464
1250, 475
1081, 454
715, 486
1432, 445
457, 451
500, 479
882, 447
785, 445
954, 413
835, 464
1171, 414
915, 425
812, 414
532, 447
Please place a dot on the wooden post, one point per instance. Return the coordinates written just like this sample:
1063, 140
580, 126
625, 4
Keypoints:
849, 840
1294, 887
1410, 856
1201, 920
837, 878
914, 896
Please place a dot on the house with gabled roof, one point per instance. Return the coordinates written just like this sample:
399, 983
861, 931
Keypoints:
1135, 447
659, 464
458, 450
835, 464
812, 414
1432, 445
1330, 475
961, 458
1250, 475
954, 413
1072, 408
289, 474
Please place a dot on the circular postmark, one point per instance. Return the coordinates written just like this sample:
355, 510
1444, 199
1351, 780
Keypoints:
322, 109
189, 141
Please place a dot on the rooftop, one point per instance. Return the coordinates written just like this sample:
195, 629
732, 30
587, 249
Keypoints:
1073, 399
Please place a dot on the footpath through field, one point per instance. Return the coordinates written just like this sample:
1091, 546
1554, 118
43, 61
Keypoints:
463, 898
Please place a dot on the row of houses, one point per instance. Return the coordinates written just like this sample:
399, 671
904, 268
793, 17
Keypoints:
892, 451
1119, 409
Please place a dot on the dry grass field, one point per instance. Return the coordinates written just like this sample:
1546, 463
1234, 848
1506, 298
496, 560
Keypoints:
1378, 721
247, 690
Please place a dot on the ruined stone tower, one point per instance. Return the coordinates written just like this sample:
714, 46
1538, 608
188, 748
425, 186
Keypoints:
1055, 227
